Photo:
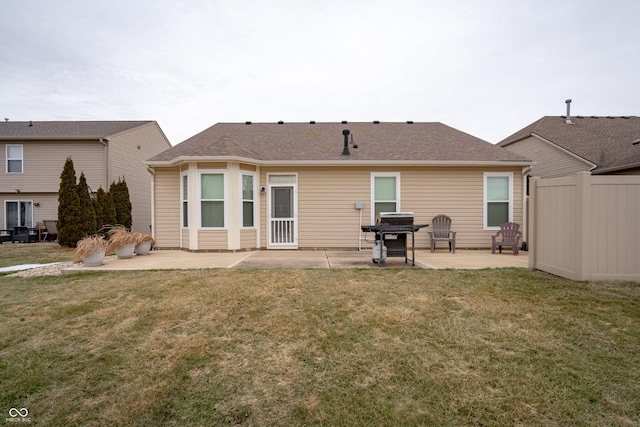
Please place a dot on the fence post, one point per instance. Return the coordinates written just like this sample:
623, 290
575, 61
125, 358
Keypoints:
583, 225
531, 220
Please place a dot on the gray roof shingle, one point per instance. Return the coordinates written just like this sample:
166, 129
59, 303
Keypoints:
604, 141
292, 142
65, 129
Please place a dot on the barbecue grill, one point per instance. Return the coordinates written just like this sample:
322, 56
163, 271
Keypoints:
391, 230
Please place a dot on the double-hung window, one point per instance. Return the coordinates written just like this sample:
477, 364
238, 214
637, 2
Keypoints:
14, 159
212, 200
385, 193
498, 199
248, 200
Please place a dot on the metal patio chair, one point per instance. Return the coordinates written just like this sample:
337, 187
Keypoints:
509, 236
441, 226
51, 229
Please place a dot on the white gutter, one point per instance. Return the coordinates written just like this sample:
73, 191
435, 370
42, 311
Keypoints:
184, 159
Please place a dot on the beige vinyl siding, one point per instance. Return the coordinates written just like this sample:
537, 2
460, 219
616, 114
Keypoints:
167, 207
327, 217
127, 152
551, 161
43, 163
248, 239
212, 240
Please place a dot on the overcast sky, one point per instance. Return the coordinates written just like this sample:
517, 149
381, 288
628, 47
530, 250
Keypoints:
485, 67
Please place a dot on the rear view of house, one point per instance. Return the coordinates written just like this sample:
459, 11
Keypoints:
32, 155
241, 186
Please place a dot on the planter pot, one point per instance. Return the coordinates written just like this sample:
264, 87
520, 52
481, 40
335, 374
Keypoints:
94, 260
125, 251
143, 248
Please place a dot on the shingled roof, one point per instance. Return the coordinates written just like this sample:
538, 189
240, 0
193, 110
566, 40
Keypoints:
323, 142
604, 141
65, 129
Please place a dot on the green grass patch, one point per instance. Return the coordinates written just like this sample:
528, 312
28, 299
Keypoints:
320, 347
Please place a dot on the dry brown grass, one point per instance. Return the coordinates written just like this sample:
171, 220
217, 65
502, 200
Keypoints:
320, 347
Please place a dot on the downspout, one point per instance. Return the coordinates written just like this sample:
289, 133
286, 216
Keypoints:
105, 142
153, 202
525, 211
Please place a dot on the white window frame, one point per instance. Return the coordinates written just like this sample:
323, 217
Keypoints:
225, 198
6, 216
184, 201
14, 158
254, 200
373, 200
485, 203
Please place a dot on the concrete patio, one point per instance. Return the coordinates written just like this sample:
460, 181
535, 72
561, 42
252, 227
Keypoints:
176, 259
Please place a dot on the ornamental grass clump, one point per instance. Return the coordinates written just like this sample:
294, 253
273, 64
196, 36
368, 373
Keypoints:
118, 235
143, 237
89, 245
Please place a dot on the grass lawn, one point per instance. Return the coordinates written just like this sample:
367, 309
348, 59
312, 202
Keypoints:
366, 347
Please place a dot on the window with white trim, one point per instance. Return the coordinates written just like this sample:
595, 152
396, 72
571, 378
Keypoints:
14, 159
385, 193
212, 200
184, 191
248, 200
498, 199
18, 213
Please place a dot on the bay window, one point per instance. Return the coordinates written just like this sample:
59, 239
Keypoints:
212, 200
248, 200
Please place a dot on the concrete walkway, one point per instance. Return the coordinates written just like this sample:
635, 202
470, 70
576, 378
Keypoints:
176, 260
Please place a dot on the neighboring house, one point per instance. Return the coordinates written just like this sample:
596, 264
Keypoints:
561, 147
282, 185
32, 156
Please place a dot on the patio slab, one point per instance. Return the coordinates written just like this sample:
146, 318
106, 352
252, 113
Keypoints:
177, 259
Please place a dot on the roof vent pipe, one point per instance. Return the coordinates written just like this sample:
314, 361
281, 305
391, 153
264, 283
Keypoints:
345, 151
568, 119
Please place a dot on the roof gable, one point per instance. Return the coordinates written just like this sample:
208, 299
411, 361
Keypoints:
604, 141
308, 142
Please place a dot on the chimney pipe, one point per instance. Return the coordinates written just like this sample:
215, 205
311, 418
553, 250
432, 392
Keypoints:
568, 119
345, 151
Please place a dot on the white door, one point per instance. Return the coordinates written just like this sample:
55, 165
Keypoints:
283, 227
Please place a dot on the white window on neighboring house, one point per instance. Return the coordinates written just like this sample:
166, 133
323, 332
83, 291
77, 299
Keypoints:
212, 200
498, 199
184, 191
385, 193
248, 200
14, 159
18, 213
